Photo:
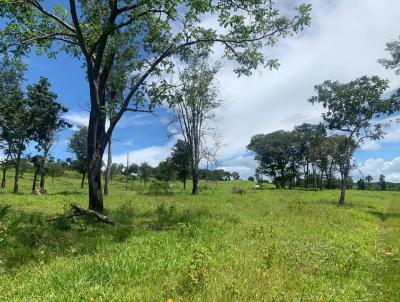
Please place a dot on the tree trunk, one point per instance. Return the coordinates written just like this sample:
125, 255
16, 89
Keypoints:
307, 174
17, 168
34, 180
108, 170
315, 178
321, 183
94, 181
343, 190
195, 180
96, 131
345, 177
43, 171
83, 179
184, 183
3, 180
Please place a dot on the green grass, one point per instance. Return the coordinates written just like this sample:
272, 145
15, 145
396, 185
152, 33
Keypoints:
268, 245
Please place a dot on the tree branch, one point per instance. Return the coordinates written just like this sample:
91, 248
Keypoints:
38, 6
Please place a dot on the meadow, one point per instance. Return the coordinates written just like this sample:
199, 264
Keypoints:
267, 245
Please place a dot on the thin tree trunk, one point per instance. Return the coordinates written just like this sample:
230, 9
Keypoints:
315, 177
108, 170
195, 180
17, 169
34, 180
83, 179
3, 180
184, 183
43, 170
307, 174
321, 183
343, 190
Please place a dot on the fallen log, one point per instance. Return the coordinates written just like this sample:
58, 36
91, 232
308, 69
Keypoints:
79, 211
93, 214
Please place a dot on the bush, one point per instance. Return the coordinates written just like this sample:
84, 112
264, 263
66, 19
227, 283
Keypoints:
159, 187
238, 190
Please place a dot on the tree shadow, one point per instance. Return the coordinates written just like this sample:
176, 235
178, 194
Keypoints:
66, 193
384, 216
29, 238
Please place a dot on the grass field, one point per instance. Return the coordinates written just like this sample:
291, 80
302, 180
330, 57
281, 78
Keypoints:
268, 245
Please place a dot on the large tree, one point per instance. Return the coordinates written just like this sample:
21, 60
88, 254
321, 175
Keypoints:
355, 109
145, 35
194, 104
276, 154
46, 117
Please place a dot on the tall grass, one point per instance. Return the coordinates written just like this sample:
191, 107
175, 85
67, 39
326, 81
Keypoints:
268, 245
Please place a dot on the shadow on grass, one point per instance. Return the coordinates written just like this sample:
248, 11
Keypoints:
384, 216
67, 193
29, 237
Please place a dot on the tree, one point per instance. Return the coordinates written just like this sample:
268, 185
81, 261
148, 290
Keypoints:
38, 164
4, 163
369, 178
354, 108
15, 116
132, 32
194, 104
165, 170
393, 47
235, 176
180, 157
46, 117
78, 145
361, 184
145, 172
383, 182
309, 140
275, 154
54, 169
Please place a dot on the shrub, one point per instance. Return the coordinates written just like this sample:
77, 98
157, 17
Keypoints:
238, 190
159, 187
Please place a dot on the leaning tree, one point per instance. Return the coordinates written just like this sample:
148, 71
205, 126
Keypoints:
146, 36
356, 109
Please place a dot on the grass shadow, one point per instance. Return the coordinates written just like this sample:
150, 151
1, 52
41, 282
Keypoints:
29, 237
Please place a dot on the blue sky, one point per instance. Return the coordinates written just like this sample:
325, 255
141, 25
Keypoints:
344, 41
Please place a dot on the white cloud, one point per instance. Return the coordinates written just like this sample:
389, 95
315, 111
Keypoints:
244, 165
152, 155
80, 118
129, 120
378, 166
344, 42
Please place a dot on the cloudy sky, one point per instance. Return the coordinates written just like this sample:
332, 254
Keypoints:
344, 41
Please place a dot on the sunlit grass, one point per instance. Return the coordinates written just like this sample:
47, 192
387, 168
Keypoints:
268, 245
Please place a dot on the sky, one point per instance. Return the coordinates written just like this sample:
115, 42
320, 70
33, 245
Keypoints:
344, 41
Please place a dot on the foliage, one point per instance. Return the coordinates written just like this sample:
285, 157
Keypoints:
356, 109
165, 170
78, 145
159, 187
116, 40
238, 190
180, 157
